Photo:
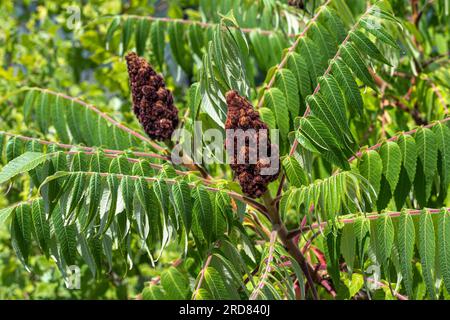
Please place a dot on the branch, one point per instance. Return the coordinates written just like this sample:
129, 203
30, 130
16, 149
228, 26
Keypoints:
122, 127
87, 149
371, 216
395, 138
109, 153
251, 202
291, 247
104, 116
261, 284
202, 273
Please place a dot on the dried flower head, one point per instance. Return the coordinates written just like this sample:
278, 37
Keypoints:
152, 102
241, 115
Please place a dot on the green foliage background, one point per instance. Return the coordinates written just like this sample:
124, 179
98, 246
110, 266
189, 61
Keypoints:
37, 48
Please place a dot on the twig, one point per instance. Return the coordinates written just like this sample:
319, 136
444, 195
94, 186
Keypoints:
232, 194
291, 247
104, 116
261, 284
395, 138
371, 216
202, 274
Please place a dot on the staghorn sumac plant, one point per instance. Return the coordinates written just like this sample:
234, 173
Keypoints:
356, 97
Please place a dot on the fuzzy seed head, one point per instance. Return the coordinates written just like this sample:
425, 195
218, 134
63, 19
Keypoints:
241, 115
152, 102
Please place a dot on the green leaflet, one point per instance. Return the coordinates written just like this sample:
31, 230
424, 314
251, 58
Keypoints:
326, 42
5, 214
59, 119
331, 19
216, 285
141, 35
153, 292
222, 213
313, 58
203, 210
287, 83
41, 228
79, 162
21, 164
379, 32
294, 172
182, 203
114, 25
268, 117
28, 103
95, 192
328, 115
43, 112
428, 150
332, 254
143, 169
120, 165
371, 166
392, 158
14, 148
113, 186
427, 247
408, 149
127, 190
176, 35
261, 47
275, 101
442, 133
332, 95
384, 240
21, 232
354, 61
348, 245
99, 163
195, 99
127, 31
405, 243
317, 132
76, 122
175, 284
66, 236
87, 254
444, 246
157, 34
296, 63
366, 46
149, 219
348, 85
196, 39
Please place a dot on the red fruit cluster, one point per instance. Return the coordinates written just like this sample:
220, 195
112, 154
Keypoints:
241, 115
152, 102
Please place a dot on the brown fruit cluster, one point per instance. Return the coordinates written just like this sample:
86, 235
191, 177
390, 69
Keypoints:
297, 3
241, 115
152, 102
